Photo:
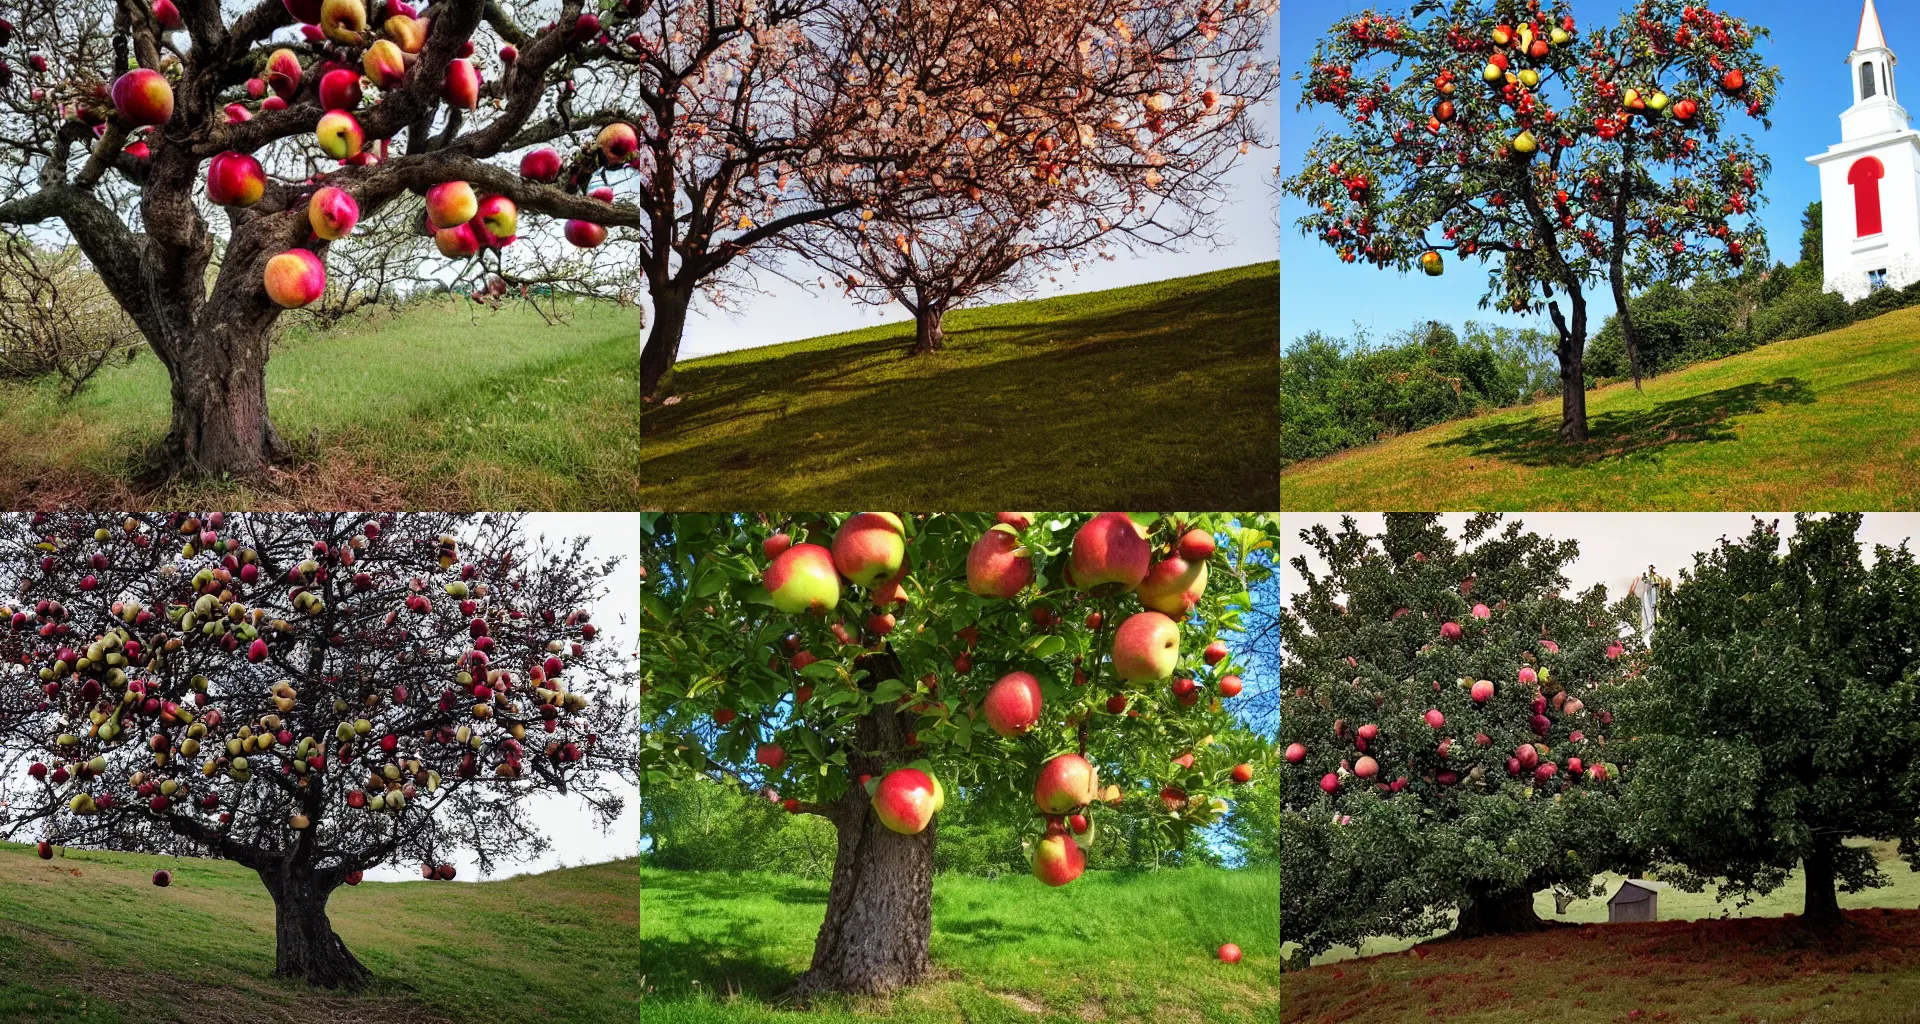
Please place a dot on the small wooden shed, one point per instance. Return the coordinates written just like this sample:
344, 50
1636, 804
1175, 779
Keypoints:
1636, 900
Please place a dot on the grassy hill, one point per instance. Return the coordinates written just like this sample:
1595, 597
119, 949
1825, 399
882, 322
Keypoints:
720, 948
1704, 961
1827, 421
86, 938
446, 406
1158, 394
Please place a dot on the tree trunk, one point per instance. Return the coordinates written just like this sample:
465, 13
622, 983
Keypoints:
880, 902
1822, 908
1498, 913
306, 946
663, 341
1573, 393
929, 329
220, 424
879, 907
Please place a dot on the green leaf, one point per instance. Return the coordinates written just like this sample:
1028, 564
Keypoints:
888, 690
811, 740
823, 670
1046, 645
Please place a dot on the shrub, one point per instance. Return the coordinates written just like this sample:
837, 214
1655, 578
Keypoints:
56, 318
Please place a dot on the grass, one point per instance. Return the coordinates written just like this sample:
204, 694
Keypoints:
87, 939
440, 407
720, 948
1703, 961
1819, 422
1157, 394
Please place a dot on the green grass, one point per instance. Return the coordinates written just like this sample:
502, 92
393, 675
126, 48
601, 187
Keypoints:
720, 948
1820, 422
1703, 961
441, 407
1153, 394
87, 939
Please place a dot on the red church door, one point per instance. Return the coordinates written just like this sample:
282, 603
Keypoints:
1864, 176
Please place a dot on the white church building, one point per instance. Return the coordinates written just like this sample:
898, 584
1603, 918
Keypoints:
1870, 181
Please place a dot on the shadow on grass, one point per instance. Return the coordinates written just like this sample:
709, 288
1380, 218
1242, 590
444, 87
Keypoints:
719, 886
1695, 419
1075, 402
678, 967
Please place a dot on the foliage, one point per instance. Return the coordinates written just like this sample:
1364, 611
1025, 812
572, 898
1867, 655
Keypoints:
1336, 395
1550, 168
1776, 716
712, 826
55, 317
715, 645
1428, 796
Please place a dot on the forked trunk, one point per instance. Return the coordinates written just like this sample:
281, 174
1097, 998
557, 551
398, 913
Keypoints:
662, 349
1822, 908
1502, 913
929, 329
305, 944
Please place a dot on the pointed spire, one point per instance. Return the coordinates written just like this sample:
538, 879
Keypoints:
1870, 34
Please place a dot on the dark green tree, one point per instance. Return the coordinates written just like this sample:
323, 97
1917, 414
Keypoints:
1779, 715
1425, 792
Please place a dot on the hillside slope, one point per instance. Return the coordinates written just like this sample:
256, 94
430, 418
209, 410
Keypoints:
86, 938
1161, 394
1827, 421
720, 948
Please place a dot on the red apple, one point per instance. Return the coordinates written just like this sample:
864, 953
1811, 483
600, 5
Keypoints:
997, 564
45, 849
1065, 782
1229, 686
295, 278
163, 878
456, 242
235, 179
333, 213
1196, 545
142, 97
541, 165
617, 143
1057, 860
385, 64
869, 547
1216, 652
283, 73
339, 134
585, 234
904, 800
770, 755
1296, 753
340, 89
1173, 586
1012, 704
1146, 647
451, 203
1229, 953
1017, 520
499, 216
1110, 555
1243, 773
880, 624
462, 86
774, 545
1482, 691
803, 579
1116, 704
1450, 631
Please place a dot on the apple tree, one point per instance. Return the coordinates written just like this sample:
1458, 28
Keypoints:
308, 695
1064, 668
206, 156
1558, 155
1776, 720
1447, 743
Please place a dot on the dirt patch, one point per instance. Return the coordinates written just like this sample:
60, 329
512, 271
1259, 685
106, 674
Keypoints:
1029, 1005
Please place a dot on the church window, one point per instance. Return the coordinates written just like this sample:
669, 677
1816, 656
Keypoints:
1866, 80
1876, 280
1864, 176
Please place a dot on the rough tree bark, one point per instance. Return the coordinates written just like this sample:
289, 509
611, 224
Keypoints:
306, 946
929, 328
880, 902
662, 348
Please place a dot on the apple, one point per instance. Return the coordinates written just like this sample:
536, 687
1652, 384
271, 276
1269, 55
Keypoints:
904, 800
1734, 80
283, 73
456, 242
333, 213
997, 564
256, 653
1366, 767
451, 203
1433, 263
1216, 652
617, 143
166, 14
1450, 631
1482, 690
1527, 675
237, 113
1196, 545
45, 850
869, 547
770, 755
1296, 753
1146, 647
235, 179
343, 21
1685, 109
1110, 555
1116, 704
1173, 586
163, 878
1065, 782
1012, 704
1480, 611
355, 877
1525, 144
339, 134
142, 97
1057, 860
802, 579
1243, 773
541, 165
384, 63
1184, 760
272, 103
340, 89
774, 545
792, 805
407, 32
1229, 686
585, 234
462, 86
499, 216
1229, 953
295, 278
1435, 718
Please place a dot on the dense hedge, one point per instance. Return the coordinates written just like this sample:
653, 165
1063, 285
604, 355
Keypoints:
1336, 394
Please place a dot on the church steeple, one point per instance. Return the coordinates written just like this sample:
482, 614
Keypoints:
1876, 107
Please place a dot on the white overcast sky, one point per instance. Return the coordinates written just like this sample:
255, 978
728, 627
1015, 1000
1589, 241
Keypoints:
1615, 547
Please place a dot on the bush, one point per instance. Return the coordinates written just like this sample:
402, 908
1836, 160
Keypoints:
56, 317
711, 826
1800, 312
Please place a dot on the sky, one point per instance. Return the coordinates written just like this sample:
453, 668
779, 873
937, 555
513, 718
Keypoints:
1615, 547
1810, 42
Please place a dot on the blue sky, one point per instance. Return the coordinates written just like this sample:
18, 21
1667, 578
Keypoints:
1810, 43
